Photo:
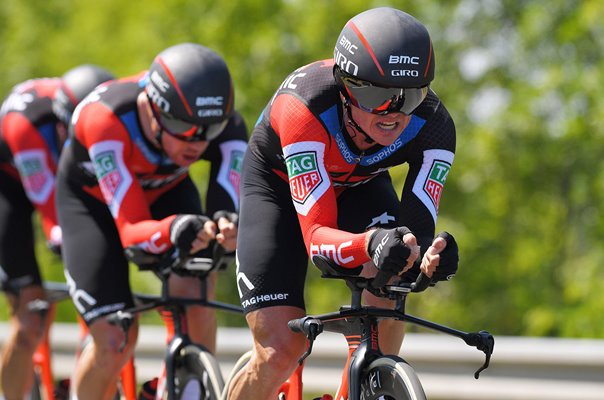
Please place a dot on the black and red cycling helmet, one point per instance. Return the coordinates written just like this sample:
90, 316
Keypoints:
191, 91
384, 61
75, 85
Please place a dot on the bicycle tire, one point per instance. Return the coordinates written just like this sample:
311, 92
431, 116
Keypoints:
391, 377
198, 375
241, 362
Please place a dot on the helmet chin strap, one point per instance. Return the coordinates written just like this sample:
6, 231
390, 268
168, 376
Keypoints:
354, 124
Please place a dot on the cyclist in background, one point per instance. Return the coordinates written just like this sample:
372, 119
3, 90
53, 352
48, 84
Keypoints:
33, 128
315, 181
124, 181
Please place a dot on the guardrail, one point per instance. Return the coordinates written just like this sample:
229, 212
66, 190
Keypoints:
521, 368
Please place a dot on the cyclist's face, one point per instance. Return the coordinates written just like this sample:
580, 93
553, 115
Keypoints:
181, 152
383, 129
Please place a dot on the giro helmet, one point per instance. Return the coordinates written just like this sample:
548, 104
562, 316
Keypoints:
191, 92
384, 61
75, 85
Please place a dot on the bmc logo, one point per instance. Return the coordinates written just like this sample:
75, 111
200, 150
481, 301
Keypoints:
403, 60
330, 251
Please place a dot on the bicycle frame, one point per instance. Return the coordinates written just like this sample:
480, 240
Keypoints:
176, 323
359, 325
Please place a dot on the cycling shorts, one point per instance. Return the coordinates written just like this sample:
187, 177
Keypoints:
271, 255
96, 268
18, 265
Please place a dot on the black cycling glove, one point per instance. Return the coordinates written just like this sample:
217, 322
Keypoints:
229, 215
388, 251
184, 229
449, 259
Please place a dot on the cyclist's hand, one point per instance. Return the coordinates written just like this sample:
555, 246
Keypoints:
191, 233
393, 250
227, 229
441, 259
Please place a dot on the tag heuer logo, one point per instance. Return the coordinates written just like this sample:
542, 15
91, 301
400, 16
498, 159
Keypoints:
304, 176
235, 169
108, 174
33, 172
436, 180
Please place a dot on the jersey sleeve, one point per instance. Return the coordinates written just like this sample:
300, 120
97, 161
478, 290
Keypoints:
109, 148
305, 144
37, 169
428, 171
226, 156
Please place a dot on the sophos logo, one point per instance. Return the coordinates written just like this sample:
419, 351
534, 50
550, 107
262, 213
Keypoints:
379, 248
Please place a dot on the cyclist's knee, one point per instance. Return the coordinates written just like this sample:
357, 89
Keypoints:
275, 346
111, 340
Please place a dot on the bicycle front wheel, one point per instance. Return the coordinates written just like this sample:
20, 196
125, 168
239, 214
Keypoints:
198, 375
390, 377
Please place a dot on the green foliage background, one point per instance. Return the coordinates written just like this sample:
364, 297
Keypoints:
521, 78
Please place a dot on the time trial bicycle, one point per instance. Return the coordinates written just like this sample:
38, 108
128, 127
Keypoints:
189, 370
368, 374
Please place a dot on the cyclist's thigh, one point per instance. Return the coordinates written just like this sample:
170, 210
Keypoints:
271, 255
96, 267
373, 204
18, 266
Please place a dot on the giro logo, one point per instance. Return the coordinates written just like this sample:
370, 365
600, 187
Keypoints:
330, 251
405, 72
159, 82
344, 63
158, 99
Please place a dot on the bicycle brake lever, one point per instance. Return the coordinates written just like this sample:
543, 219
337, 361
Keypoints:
312, 333
484, 342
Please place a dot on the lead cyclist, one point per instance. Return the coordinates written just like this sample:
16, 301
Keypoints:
315, 181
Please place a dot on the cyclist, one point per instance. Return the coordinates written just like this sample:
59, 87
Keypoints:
315, 181
33, 126
124, 182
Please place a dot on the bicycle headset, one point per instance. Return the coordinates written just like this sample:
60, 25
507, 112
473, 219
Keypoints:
384, 61
75, 85
191, 92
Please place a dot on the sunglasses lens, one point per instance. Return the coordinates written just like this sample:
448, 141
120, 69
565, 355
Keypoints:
380, 100
212, 131
173, 125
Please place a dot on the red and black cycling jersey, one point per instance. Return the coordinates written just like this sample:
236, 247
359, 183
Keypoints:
301, 136
109, 156
29, 145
